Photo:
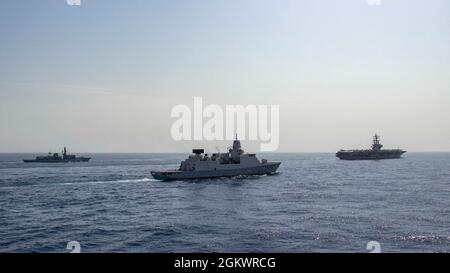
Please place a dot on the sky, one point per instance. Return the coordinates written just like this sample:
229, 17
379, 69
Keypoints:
104, 76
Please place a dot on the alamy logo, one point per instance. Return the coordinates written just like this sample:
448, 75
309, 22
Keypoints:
223, 125
73, 2
74, 246
373, 247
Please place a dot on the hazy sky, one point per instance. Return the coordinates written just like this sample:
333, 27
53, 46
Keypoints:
104, 76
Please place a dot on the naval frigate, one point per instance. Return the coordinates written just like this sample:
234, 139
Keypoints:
56, 158
234, 163
371, 154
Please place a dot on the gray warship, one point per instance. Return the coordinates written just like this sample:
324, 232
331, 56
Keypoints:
234, 163
56, 158
371, 154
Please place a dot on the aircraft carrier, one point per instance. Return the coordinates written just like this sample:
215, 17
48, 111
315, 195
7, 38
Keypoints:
371, 154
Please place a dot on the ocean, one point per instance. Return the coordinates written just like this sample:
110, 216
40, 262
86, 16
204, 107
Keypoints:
315, 203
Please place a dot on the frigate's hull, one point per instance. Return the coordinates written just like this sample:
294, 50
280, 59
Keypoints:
81, 159
267, 168
369, 155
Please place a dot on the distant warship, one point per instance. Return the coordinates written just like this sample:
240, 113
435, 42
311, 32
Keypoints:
234, 163
371, 154
56, 158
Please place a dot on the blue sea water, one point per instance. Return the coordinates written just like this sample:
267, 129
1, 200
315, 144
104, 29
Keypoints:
316, 203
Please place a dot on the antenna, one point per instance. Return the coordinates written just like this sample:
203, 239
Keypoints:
376, 139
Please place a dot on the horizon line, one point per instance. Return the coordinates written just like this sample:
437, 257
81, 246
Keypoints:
281, 152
